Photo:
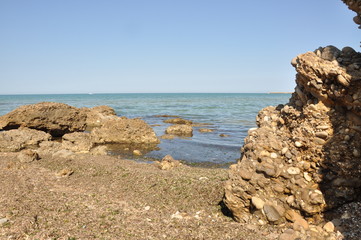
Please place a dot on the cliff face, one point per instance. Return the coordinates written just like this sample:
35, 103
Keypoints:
355, 5
304, 157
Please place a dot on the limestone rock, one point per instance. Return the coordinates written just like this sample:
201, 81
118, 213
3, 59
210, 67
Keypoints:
54, 118
27, 156
124, 130
97, 115
77, 142
180, 130
18, 139
178, 121
168, 163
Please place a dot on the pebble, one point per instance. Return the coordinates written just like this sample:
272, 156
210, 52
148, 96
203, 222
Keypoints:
257, 202
147, 208
271, 213
356, 153
293, 170
319, 141
329, 227
273, 155
307, 177
322, 135
3, 221
137, 153
298, 144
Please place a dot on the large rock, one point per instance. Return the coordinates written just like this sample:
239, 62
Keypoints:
124, 130
305, 156
18, 139
54, 118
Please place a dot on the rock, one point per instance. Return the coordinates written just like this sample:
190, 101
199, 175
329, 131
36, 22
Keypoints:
63, 154
329, 227
168, 163
180, 130
77, 142
97, 115
205, 130
66, 172
293, 171
271, 213
300, 224
330, 53
223, 135
3, 221
124, 130
54, 118
27, 156
18, 139
137, 153
178, 121
257, 202
99, 150
167, 136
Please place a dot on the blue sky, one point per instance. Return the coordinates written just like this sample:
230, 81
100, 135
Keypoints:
120, 46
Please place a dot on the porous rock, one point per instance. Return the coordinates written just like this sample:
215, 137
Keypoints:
180, 130
54, 118
17, 139
303, 157
124, 130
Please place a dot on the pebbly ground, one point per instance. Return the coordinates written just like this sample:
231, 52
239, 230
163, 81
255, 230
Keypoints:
104, 197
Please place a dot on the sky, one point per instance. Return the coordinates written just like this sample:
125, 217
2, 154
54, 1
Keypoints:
140, 46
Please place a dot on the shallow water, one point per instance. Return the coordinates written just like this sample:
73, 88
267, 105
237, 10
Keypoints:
226, 113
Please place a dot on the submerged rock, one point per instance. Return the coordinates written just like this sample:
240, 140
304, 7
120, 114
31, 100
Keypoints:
178, 121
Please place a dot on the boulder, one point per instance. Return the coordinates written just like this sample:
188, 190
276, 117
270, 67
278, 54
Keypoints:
124, 130
180, 130
54, 118
18, 139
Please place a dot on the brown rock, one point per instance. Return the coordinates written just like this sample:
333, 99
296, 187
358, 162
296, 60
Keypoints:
27, 156
180, 130
178, 121
168, 163
205, 130
54, 118
18, 139
77, 142
124, 130
97, 115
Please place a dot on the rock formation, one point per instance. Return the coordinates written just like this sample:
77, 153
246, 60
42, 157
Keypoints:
355, 5
183, 130
304, 157
54, 118
34, 126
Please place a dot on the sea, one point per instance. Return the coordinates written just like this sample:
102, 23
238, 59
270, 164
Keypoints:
227, 114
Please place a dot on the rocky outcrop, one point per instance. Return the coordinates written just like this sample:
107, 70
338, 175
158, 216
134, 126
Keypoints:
304, 157
61, 120
355, 5
17, 139
54, 118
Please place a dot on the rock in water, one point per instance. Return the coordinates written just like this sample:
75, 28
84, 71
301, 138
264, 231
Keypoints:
124, 130
180, 130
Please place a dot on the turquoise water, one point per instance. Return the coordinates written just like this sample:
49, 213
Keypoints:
227, 113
